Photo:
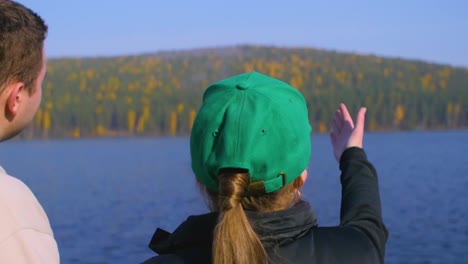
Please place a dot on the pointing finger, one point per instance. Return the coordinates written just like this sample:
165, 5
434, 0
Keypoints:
361, 118
344, 112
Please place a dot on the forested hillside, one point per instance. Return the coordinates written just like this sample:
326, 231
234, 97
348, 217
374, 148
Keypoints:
159, 94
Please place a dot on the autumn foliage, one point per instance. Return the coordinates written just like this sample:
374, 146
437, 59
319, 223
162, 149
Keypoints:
159, 94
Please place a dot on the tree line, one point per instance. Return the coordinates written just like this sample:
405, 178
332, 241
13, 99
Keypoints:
159, 94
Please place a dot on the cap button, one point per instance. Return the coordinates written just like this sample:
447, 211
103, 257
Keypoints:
242, 86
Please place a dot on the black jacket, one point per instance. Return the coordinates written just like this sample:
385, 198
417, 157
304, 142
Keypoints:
292, 235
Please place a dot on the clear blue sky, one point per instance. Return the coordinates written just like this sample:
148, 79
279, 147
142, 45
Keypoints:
430, 30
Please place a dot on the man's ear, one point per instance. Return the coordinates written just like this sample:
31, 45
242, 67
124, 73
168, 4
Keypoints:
299, 181
13, 99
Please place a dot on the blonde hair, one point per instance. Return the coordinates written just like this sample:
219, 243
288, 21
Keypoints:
234, 240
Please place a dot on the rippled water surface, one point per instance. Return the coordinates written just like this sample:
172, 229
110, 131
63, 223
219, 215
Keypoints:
105, 197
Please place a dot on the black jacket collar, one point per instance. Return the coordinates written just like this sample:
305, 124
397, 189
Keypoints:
273, 228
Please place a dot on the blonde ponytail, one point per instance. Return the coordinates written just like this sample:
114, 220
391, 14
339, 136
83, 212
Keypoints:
235, 242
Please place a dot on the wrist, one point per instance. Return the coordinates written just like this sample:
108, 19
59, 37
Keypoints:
352, 153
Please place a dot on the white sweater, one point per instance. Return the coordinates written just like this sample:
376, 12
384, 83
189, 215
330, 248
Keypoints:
25, 232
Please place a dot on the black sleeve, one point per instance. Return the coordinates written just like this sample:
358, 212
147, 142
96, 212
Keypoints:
360, 201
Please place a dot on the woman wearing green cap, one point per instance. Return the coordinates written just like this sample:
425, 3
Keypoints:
250, 148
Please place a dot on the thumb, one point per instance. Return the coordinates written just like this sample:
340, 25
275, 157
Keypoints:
360, 119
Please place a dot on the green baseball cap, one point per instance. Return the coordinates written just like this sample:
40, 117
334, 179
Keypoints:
253, 122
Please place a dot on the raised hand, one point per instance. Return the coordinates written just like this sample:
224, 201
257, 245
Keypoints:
345, 133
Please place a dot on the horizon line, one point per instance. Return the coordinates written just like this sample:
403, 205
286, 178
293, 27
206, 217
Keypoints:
201, 48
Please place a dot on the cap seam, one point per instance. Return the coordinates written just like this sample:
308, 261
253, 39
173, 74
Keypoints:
238, 126
239, 118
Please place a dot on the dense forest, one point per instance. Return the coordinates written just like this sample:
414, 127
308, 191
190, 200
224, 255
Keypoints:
158, 94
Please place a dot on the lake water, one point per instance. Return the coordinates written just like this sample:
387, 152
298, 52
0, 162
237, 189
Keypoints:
105, 197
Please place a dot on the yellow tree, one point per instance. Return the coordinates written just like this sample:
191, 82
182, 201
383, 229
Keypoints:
100, 130
192, 116
76, 132
173, 127
322, 127
296, 80
46, 123
399, 114
180, 108
46, 119
38, 119
426, 81
131, 118
143, 120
